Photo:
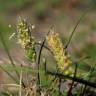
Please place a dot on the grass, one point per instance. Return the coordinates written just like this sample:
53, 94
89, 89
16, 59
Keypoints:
48, 81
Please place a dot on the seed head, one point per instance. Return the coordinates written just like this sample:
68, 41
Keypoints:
26, 40
63, 60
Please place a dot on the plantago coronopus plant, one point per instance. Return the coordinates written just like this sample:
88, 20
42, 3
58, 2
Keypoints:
63, 60
26, 40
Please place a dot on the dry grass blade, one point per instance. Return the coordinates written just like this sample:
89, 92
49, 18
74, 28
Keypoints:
15, 85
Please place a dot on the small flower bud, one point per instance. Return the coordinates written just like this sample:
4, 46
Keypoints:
9, 25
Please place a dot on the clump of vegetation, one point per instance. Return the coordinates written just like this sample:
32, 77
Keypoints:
68, 79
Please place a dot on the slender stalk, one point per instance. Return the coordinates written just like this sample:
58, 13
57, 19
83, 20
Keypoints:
72, 33
38, 60
20, 87
78, 22
58, 75
69, 92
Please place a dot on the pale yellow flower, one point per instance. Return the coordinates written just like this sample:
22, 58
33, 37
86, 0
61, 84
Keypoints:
26, 40
63, 61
